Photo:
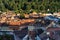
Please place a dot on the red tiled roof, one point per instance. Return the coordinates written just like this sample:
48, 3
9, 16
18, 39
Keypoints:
21, 22
53, 29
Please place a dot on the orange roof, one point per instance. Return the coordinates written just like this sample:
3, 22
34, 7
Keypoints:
26, 15
14, 23
21, 22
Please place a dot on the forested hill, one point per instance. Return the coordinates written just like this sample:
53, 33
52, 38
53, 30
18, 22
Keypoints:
28, 5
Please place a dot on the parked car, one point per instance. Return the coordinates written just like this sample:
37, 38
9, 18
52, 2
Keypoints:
59, 17
59, 21
51, 18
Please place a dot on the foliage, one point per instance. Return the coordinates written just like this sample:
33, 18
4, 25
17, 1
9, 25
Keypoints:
27, 5
22, 16
6, 37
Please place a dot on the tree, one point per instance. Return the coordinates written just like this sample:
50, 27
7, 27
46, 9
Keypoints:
27, 5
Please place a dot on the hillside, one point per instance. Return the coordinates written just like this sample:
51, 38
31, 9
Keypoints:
25, 6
